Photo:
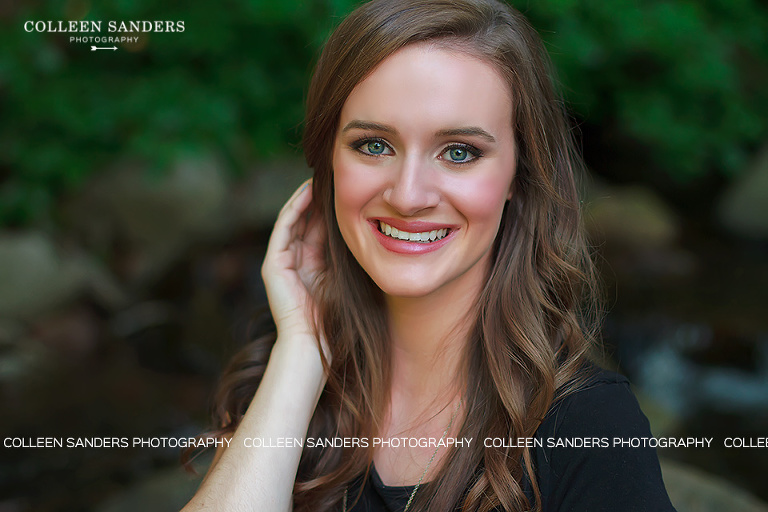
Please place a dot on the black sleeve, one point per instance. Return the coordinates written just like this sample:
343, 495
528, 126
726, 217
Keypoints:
598, 479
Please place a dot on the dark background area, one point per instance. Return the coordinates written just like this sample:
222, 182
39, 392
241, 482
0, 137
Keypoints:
138, 186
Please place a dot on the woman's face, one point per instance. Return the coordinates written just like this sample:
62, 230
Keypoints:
423, 162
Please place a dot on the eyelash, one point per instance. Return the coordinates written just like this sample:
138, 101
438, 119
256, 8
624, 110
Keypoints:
472, 150
362, 141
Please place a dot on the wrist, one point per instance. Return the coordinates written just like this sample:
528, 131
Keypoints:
298, 355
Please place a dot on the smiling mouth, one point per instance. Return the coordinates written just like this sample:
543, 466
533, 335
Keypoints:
424, 237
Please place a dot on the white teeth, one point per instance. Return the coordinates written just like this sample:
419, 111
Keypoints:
424, 237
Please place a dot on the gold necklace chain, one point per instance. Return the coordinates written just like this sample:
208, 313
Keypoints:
431, 459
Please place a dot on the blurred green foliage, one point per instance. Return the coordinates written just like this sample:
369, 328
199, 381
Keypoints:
685, 78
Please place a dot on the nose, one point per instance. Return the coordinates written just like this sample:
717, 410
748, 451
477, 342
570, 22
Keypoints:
412, 188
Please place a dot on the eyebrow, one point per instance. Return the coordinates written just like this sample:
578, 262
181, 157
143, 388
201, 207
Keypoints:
475, 131
469, 130
369, 125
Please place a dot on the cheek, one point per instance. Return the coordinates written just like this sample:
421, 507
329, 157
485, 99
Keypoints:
353, 189
482, 201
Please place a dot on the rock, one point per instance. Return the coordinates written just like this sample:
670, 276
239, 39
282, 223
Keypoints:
187, 200
72, 332
37, 276
743, 207
153, 218
10, 332
633, 216
34, 276
667, 359
637, 231
19, 357
680, 384
692, 490
148, 222
258, 200
14, 505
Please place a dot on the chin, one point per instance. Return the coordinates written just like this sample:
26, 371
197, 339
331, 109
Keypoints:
409, 289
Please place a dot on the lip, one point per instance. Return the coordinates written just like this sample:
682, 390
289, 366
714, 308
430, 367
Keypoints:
407, 247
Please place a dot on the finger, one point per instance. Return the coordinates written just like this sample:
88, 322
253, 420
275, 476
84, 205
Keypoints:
283, 232
300, 227
296, 194
315, 231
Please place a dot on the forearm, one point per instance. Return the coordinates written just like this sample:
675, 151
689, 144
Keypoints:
247, 478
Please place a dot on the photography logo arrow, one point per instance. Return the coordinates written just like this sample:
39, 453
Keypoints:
94, 48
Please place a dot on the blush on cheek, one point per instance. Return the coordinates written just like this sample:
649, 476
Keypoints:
354, 189
483, 199
356, 185
349, 192
343, 210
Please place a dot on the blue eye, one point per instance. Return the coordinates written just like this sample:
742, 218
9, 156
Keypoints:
372, 147
463, 154
458, 154
375, 147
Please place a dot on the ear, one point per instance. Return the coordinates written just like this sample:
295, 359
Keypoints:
512, 188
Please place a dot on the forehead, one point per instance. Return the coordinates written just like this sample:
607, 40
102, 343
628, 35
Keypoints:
426, 84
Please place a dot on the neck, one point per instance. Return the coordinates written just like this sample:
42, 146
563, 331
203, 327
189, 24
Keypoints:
429, 336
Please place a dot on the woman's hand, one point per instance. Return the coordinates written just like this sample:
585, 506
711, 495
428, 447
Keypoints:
294, 259
243, 477
263, 479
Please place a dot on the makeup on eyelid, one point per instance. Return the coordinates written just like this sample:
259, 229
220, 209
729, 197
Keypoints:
475, 152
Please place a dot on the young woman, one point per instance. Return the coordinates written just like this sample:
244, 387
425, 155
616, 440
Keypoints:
430, 283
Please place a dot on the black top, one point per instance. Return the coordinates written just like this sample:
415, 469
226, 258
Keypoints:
571, 479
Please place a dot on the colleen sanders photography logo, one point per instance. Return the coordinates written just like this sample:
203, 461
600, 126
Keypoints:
127, 33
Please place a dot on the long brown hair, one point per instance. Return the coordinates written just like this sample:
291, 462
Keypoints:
533, 326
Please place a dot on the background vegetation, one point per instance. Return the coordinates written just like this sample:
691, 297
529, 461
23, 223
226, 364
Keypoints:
679, 85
